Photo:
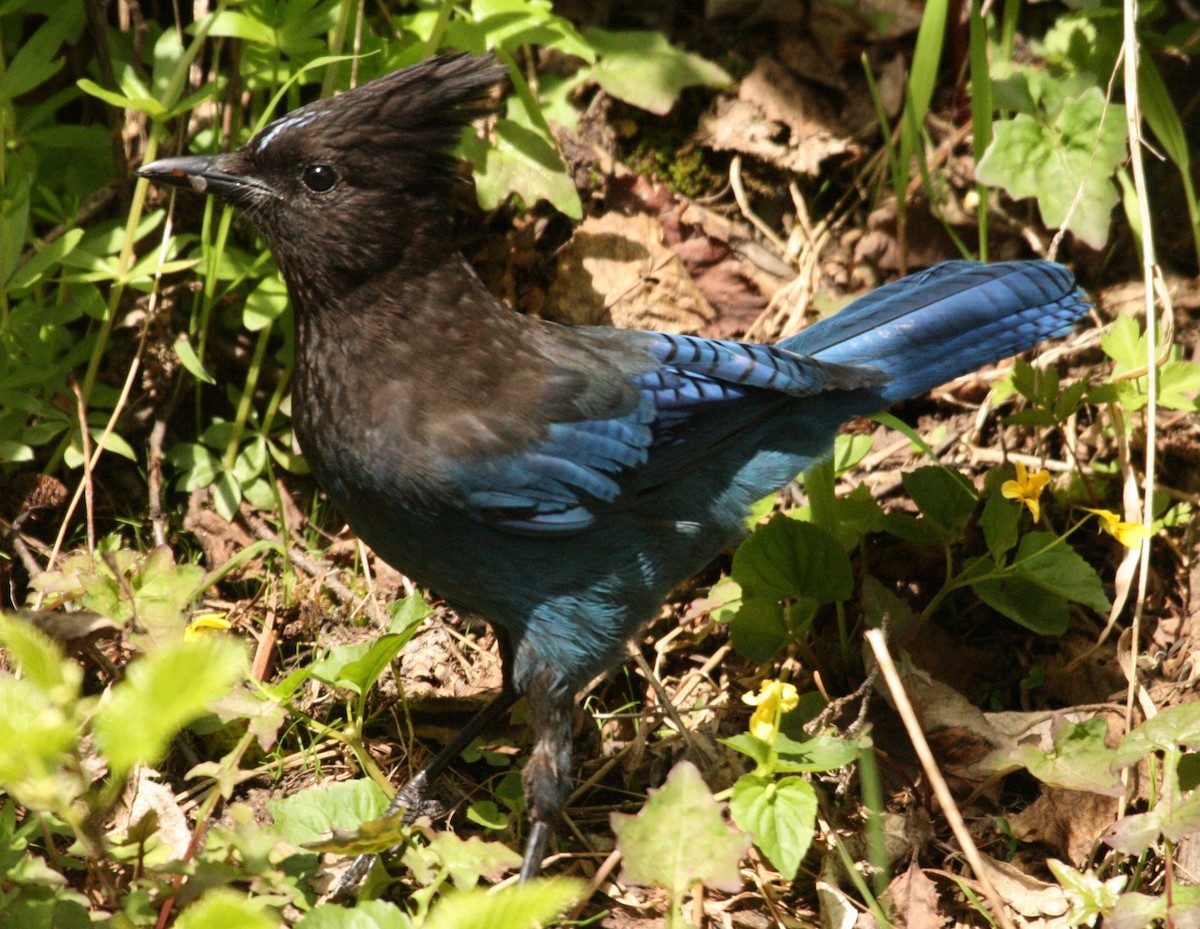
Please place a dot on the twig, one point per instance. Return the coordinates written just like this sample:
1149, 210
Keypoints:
89, 488
315, 570
941, 790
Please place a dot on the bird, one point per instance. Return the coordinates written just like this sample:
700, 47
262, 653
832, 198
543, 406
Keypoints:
557, 481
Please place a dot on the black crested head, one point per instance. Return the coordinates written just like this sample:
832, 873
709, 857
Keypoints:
338, 187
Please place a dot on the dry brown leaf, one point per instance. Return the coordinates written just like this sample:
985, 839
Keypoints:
1035, 902
915, 902
617, 270
146, 797
778, 119
1068, 822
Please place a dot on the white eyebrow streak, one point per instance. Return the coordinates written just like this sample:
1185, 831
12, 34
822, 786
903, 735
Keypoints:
296, 120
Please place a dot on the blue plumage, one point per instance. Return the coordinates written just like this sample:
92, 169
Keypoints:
558, 482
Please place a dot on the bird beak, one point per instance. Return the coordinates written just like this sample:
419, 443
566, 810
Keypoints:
205, 174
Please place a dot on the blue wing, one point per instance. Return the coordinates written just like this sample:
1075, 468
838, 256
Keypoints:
693, 394
580, 465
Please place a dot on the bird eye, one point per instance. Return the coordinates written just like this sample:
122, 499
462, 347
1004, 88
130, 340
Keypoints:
319, 178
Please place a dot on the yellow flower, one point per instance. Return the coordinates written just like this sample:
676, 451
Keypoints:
203, 625
774, 698
1130, 535
1027, 488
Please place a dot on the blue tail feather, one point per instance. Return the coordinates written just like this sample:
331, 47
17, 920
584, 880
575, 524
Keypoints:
931, 327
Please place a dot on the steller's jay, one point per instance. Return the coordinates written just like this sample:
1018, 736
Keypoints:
556, 481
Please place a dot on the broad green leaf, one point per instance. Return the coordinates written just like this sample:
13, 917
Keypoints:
647, 71
819, 753
1043, 559
790, 558
223, 908
1053, 159
525, 906
942, 496
307, 816
1025, 603
357, 667
509, 24
366, 914
1175, 726
226, 494
36, 734
1125, 343
1138, 832
1178, 382
522, 162
234, 25
751, 746
759, 628
40, 660
162, 692
1089, 897
999, 523
466, 860
680, 838
1079, 760
781, 815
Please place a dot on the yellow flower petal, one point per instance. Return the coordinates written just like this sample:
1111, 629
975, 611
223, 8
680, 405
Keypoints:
774, 698
1027, 488
214, 622
1131, 535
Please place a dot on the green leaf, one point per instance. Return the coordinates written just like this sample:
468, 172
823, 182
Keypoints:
1138, 832
1079, 761
819, 753
510, 24
233, 25
1089, 897
1125, 343
680, 838
1175, 726
849, 450
525, 906
780, 814
265, 304
790, 558
223, 908
37, 724
645, 70
366, 914
1052, 158
40, 660
308, 816
1178, 382
357, 667
1025, 603
147, 105
999, 523
162, 692
524, 162
759, 629
37, 59
467, 861
191, 361
1045, 560
751, 746
942, 496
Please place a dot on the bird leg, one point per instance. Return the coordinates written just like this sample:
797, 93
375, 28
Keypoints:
548, 773
411, 797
